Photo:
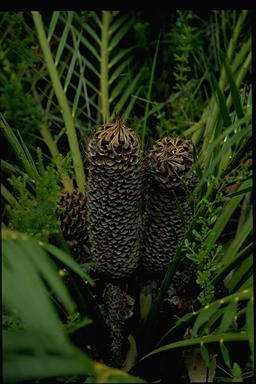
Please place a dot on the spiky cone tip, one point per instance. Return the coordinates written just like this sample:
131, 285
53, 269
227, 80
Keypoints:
170, 162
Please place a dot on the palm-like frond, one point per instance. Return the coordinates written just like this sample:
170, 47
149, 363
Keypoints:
219, 316
100, 76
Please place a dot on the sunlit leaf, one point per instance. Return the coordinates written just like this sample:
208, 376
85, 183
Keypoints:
53, 23
205, 355
228, 316
233, 89
250, 323
225, 354
64, 36
204, 316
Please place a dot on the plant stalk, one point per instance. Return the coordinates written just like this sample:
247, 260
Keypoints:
56, 156
149, 93
104, 66
63, 102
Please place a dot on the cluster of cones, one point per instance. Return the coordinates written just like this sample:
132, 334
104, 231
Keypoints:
130, 219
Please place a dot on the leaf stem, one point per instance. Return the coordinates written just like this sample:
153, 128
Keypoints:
56, 156
63, 102
149, 93
104, 66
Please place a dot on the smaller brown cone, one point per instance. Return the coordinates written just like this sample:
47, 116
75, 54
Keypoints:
73, 217
170, 162
168, 168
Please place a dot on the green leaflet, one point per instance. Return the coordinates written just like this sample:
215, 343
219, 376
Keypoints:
20, 150
204, 316
205, 355
225, 354
228, 316
233, 88
234, 337
66, 259
24, 367
237, 373
250, 323
237, 243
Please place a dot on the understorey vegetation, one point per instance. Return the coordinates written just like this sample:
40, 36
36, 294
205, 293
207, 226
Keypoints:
127, 246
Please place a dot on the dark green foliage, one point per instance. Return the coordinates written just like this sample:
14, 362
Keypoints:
18, 104
187, 39
114, 189
35, 213
158, 262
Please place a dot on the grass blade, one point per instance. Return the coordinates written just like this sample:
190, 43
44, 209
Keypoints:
149, 91
49, 272
21, 273
67, 260
238, 241
233, 89
222, 104
18, 149
241, 275
227, 212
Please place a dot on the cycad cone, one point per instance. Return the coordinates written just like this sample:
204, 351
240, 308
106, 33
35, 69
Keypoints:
114, 187
168, 165
73, 219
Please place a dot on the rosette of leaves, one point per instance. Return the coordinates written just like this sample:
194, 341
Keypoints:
117, 310
167, 213
72, 211
114, 189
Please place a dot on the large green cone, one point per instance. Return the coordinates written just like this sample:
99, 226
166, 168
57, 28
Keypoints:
168, 165
114, 186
